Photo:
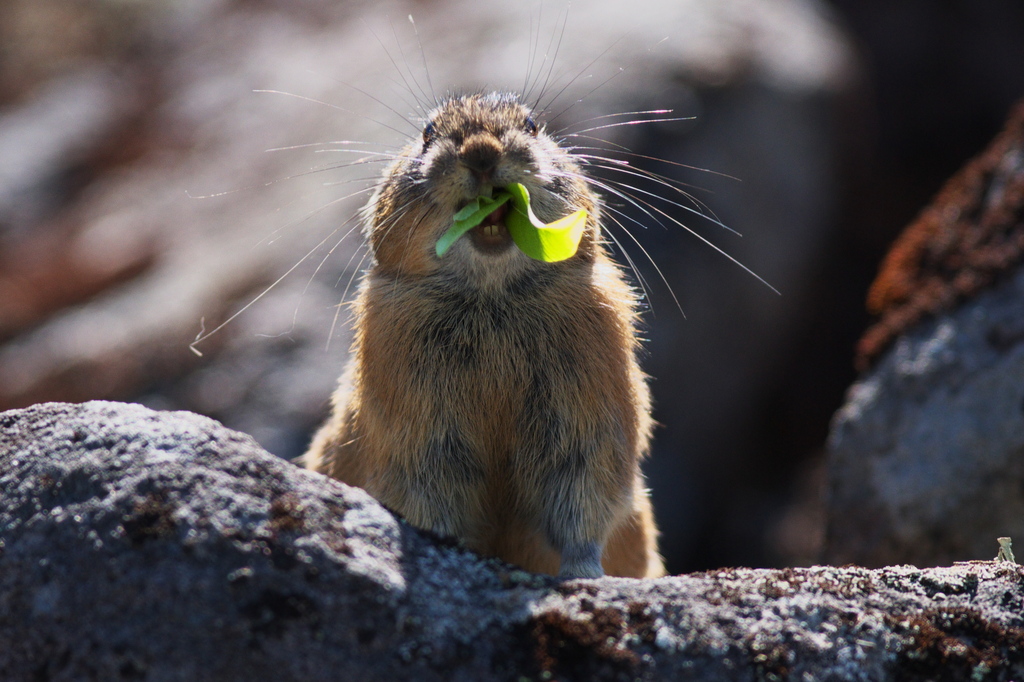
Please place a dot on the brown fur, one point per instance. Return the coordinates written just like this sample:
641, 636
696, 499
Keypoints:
490, 396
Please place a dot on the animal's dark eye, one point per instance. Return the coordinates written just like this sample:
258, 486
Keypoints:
530, 126
428, 132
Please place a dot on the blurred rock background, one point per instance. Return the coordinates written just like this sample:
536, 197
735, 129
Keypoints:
926, 456
139, 206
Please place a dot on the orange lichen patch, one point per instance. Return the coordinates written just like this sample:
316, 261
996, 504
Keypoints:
970, 234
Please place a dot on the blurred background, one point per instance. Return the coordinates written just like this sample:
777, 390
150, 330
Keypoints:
149, 193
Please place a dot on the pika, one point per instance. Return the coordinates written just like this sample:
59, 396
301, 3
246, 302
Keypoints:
490, 396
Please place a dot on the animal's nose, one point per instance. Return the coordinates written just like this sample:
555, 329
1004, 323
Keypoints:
480, 154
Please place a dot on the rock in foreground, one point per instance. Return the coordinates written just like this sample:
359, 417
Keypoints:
162, 546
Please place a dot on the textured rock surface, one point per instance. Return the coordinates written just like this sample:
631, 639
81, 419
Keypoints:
162, 546
926, 458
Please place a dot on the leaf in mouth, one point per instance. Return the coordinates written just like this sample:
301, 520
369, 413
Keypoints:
548, 242
468, 217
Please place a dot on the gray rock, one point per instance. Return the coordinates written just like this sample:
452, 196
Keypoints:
927, 456
162, 546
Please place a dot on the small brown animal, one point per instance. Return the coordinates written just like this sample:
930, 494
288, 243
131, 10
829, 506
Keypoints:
490, 396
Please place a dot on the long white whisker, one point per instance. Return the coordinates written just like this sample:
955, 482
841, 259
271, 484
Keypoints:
276, 233
354, 271
311, 145
602, 117
576, 77
423, 54
398, 69
634, 122
653, 263
348, 181
672, 184
355, 224
588, 94
203, 336
344, 294
629, 260
275, 181
619, 149
641, 174
595, 160
602, 83
616, 192
689, 229
338, 108
422, 95
531, 49
376, 99
561, 34
619, 190
373, 156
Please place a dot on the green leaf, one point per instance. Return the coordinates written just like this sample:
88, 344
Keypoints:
468, 217
548, 242
468, 210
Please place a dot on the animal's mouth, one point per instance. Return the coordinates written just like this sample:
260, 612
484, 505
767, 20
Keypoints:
494, 223
492, 235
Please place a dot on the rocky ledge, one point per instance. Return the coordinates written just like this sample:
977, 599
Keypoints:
162, 546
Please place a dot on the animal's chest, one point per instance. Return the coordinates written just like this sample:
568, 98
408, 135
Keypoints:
486, 367
483, 345
498, 355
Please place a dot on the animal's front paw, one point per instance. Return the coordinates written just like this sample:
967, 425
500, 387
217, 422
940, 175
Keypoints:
582, 560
